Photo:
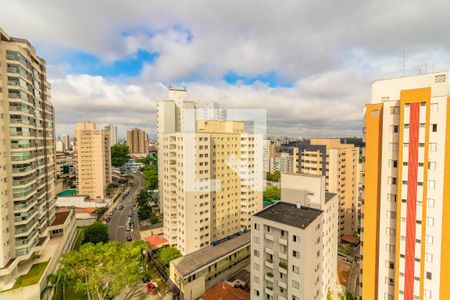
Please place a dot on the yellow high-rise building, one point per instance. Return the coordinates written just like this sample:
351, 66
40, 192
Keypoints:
93, 152
208, 175
137, 141
339, 164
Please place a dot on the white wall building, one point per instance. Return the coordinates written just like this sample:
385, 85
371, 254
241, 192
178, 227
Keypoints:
294, 242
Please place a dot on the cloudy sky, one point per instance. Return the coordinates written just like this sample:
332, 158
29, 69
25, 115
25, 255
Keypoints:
309, 63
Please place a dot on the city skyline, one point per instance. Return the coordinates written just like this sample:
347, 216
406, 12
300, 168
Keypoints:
125, 64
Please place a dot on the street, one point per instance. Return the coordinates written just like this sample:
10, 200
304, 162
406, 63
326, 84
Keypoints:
118, 219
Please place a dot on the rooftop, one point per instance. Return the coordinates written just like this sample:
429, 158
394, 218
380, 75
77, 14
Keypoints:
289, 214
225, 291
60, 217
200, 258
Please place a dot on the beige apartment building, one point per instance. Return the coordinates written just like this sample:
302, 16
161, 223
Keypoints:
209, 175
27, 154
93, 153
294, 242
137, 141
339, 164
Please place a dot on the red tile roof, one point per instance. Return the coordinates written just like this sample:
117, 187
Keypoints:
224, 291
87, 210
156, 240
350, 239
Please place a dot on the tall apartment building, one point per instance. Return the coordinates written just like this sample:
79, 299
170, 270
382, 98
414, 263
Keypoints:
339, 164
283, 163
66, 142
294, 242
210, 175
406, 237
93, 152
27, 153
137, 141
113, 132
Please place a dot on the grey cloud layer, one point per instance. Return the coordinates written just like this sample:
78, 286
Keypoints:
329, 50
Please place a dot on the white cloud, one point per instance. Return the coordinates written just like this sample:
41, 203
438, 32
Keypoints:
329, 50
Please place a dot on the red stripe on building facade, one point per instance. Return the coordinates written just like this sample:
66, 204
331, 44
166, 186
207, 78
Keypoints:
411, 199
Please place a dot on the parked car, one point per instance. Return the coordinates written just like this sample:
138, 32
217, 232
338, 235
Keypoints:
151, 288
129, 238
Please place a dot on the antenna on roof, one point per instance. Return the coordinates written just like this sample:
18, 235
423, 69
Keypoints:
404, 59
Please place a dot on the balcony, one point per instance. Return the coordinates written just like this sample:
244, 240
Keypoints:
283, 241
268, 250
269, 237
282, 283
269, 263
282, 255
269, 276
269, 291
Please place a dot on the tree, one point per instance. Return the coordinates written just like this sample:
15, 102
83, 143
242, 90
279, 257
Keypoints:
100, 212
105, 269
119, 155
96, 233
166, 254
273, 176
110, 188
144, 212
150, 174
272, 193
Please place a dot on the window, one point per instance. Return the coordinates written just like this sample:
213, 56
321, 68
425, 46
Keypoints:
429, 275
296, 269
432, 165
256, 226
256, 292
295, 254
256, 266
392, 198
256, 239
389, 281
390, 214
433, 147
295, 284
395, 110
434, 127
256, 253
429, 239
430, 202
256, 279
430, 221
295, 238
392, 163
390, 231
431, 184
390, 248
439, 78
434, 107
389, 265
395, 128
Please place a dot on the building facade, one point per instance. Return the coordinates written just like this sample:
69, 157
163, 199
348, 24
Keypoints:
93, 153
407, 189
283, 163
294, 242
210, 175
339, 164
113, 132
137, 141
27, 153
199, 271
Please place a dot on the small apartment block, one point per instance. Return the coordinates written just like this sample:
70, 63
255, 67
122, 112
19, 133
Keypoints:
199, 271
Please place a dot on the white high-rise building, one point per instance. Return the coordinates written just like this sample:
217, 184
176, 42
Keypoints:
66, 142
113, 132
406, 213
210, 175
294, 242
27, 154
